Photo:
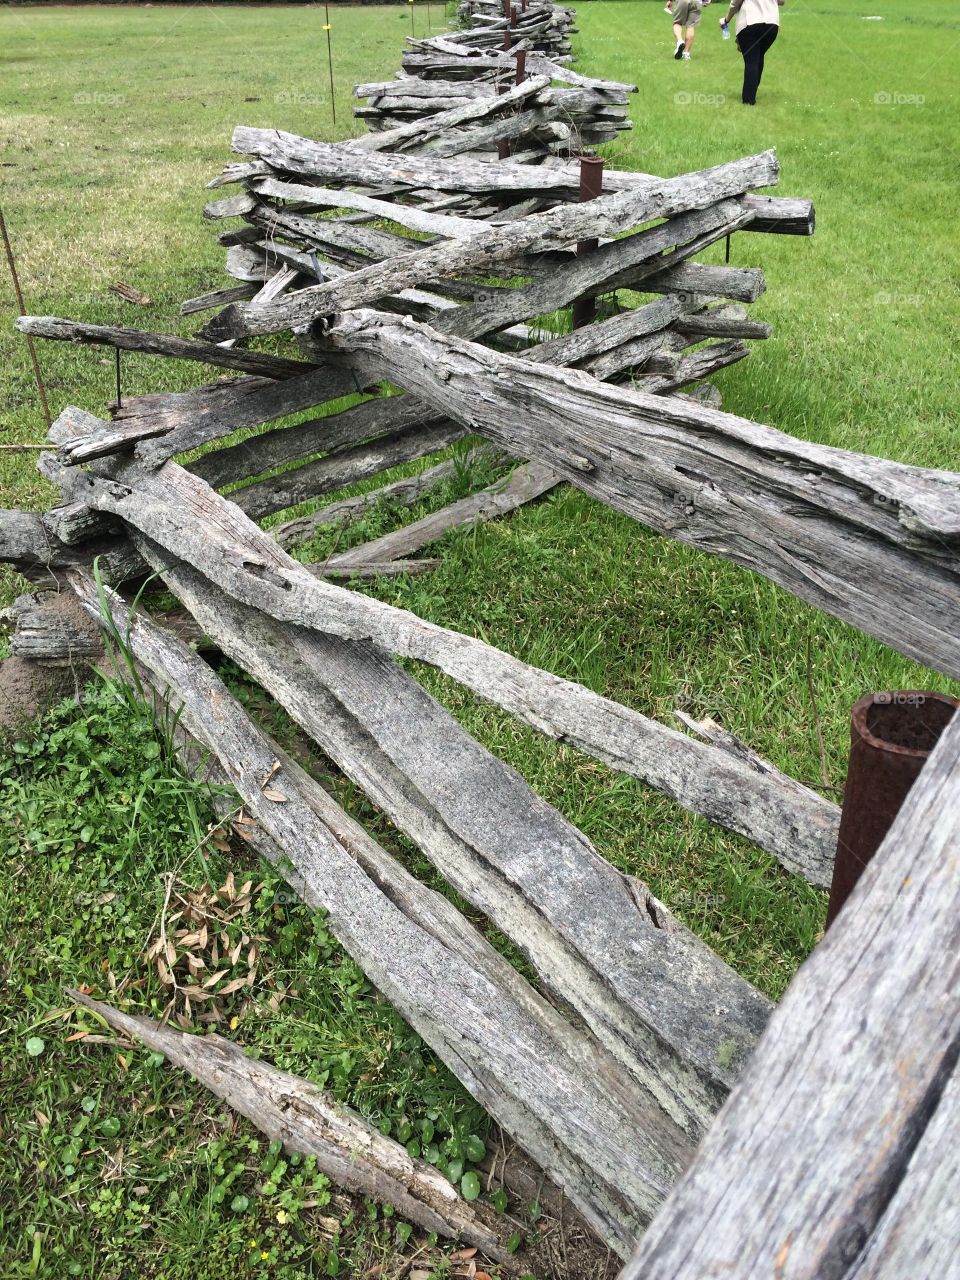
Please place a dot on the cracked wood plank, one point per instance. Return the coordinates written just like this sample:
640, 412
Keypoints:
873, 542
555, 1090
304, 1118
815, 1145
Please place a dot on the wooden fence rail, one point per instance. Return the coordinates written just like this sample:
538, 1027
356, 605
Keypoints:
410, 256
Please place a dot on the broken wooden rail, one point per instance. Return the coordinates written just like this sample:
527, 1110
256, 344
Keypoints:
836, 1154
291, 1110
399, 257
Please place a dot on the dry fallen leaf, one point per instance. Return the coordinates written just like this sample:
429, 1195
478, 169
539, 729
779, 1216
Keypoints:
276, 796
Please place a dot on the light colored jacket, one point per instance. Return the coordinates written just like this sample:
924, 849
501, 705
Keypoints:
750, 12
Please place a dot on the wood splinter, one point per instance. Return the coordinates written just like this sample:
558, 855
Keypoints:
304, 1118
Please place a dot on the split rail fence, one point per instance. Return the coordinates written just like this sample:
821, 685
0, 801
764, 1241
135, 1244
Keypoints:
415, 256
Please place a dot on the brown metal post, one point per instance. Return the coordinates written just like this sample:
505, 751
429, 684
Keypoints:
521, 65
891, 736
591, 185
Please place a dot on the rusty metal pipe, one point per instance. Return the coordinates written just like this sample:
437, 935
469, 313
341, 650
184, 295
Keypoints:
521, 66
591, 186
891, 736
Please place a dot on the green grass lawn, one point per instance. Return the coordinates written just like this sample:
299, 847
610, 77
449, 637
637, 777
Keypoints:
111, 121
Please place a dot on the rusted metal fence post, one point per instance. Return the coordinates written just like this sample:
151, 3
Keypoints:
521, 66
891, 736
591, 185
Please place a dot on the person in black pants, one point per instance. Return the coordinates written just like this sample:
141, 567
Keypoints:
758, 25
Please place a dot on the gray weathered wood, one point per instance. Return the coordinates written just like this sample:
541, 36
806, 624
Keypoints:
630, 258
392, 139
873, 542
795, 1176
218, 298
647, 988
918, 1237
564, 1099
407, 215
160, 344
180, 421
527, 483
803, 836
283, 445
557, 227
345, 466
304, 1118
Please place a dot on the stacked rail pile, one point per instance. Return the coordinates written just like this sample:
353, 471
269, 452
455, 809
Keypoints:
612, 1106
490, 24
566, 114
388, 262
497, 248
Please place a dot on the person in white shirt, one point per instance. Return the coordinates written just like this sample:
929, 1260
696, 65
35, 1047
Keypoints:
758, 25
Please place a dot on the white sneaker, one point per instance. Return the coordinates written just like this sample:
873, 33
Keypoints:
685, 57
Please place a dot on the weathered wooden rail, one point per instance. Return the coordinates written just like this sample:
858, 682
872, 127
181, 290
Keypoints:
408, 256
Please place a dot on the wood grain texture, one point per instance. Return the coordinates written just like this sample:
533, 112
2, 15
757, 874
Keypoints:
873, 542
160, 344
918, 1237
801, 1167
182, 514
557, 227
345, 466
304, 1118
562, 1098
646, 987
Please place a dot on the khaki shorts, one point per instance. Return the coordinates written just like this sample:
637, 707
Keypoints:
687, 12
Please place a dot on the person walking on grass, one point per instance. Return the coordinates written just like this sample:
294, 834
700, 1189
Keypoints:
758, 25
686, 13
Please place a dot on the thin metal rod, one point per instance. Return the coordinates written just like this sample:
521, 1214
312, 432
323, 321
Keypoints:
333, 96
413, 31
41, 389
521, 66
116, 352
727, 257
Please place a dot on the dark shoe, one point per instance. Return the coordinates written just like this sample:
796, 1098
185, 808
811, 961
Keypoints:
679, 54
